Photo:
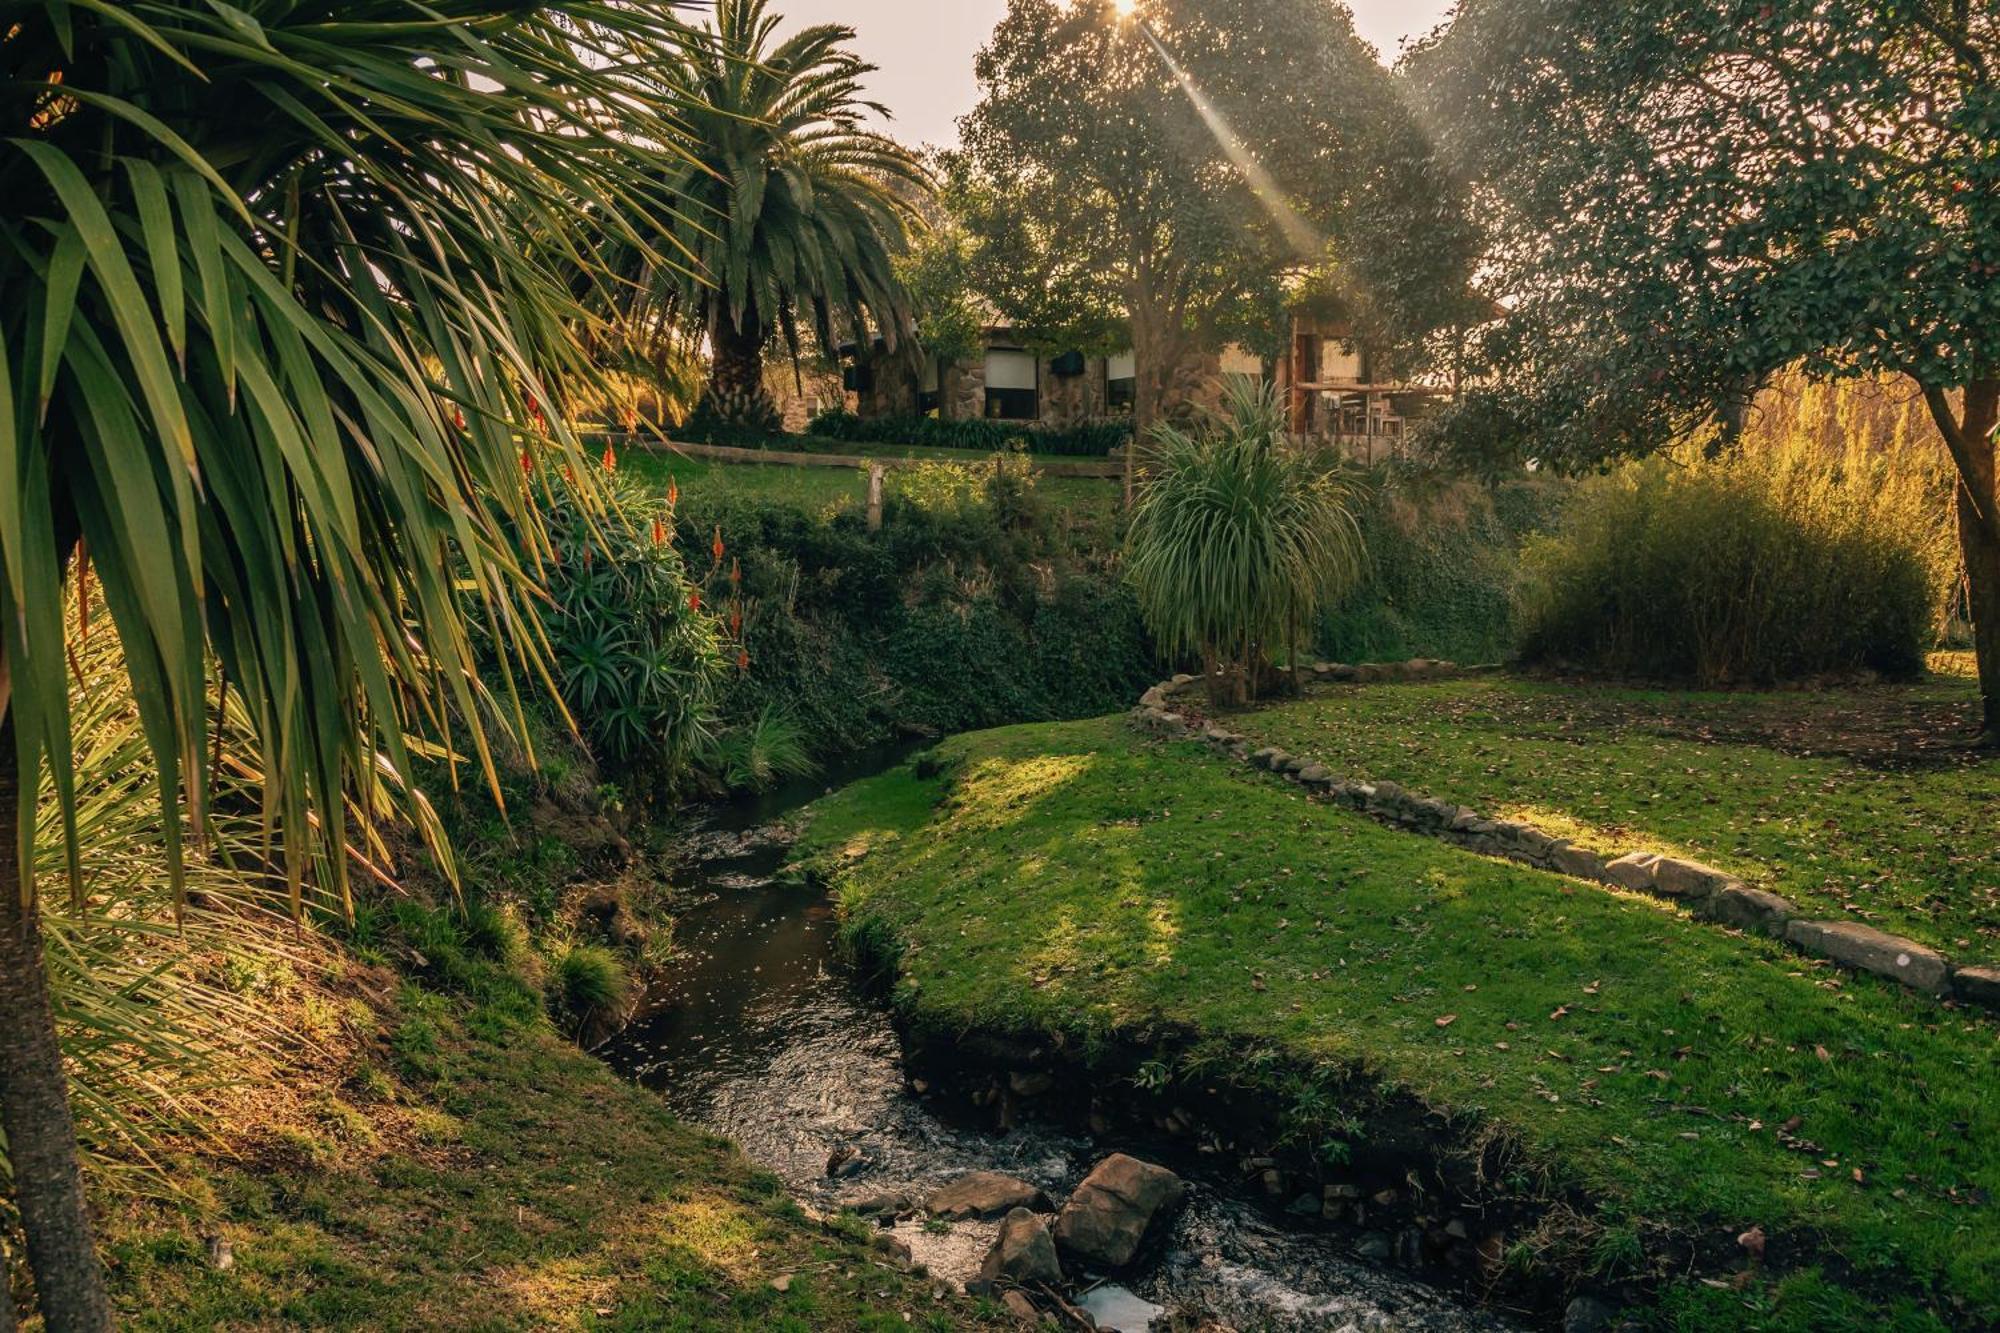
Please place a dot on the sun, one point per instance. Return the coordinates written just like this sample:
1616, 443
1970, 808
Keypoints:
1126, 8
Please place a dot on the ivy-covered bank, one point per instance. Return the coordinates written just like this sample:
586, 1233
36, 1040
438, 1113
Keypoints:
1696, 1129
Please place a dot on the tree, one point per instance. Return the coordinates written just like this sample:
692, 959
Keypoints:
280, 311
798, 214
1239, 541
1688, 198
1108, 191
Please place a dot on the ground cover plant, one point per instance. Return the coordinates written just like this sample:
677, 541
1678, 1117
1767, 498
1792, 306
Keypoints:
1081, 880
1858, 802
448, 1162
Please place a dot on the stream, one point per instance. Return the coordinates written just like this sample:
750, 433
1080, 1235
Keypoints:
761, 1035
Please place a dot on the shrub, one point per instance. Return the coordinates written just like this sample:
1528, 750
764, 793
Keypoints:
1094, 439
639, 658
1238, 540
759, 754
588, 988
1443, 562
1769, 565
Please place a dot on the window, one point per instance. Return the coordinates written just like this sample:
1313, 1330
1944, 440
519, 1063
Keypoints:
1013, 381
1121, 382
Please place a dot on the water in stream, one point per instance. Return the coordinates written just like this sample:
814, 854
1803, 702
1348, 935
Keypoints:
759, 1035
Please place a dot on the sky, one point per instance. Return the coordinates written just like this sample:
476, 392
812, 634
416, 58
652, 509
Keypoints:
926, 48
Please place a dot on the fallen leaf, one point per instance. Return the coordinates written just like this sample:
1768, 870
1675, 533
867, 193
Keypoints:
1560, 1013
1753, 1241
1447, 1020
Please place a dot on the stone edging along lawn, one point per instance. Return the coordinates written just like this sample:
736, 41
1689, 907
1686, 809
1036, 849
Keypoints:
1710, 894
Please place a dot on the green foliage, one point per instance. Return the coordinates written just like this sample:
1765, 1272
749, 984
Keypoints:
215, 358
977, 603
759, 754
1110, 207
1240, 539
588, 986
1092, 440
638, 658
800, 213
1443, 560
1762, 567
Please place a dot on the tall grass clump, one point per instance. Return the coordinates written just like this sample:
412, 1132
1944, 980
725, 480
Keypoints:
1766, 565
1238, 541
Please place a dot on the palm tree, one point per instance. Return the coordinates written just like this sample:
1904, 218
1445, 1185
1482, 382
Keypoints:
1238, 539
284, 285
797, 214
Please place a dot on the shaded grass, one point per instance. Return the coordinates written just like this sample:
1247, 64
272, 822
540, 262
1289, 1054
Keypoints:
1080, 880
512, 1182
822, 489
1856, 802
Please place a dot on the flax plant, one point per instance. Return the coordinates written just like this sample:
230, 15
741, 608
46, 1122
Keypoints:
1238, 539
290, 293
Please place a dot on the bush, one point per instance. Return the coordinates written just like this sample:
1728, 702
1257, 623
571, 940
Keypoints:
1095, 439
1443, 562
1238, 541
588, 988
638, 658
1778, 564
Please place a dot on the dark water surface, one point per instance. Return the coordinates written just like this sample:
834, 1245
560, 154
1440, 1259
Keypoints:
759, 1034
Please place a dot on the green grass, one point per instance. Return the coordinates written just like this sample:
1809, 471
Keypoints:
1079, 879
821, 489
1854, 802
514, 1183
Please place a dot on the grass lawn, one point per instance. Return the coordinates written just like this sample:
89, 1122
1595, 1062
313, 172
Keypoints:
821, 489
1081, 879
454, 1167
1858, 802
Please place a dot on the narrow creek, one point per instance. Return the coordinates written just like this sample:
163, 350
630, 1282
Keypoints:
760, 1034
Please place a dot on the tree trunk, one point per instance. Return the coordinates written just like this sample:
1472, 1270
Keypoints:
736, 394
1974, 449
34, 1100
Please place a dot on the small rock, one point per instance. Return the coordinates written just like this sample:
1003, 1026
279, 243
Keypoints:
1751, 909
781, 1283
1979, 985
1108, 1219
888, 1203
1872, 950
1306, 1205
221, 1255
1274, 1183
1030, 1083
1688, 879
845, 1161
1587, 1314
1375, 1248
983, 1194
1021, 1307
1343, 1193
1023, 1253
1410, 1248
1578, 862
1633, 872
889, 1243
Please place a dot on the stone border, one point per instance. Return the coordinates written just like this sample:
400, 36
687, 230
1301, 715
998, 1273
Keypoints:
1707, 893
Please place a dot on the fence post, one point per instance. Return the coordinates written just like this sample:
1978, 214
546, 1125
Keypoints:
875, 473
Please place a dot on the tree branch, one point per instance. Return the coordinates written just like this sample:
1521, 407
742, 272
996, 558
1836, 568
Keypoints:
1964, 452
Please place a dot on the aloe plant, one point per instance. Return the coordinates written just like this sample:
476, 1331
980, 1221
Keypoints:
289, 291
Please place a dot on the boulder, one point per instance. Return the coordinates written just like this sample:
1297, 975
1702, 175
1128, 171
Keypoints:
1113, 1212
1587, 1314
1266, 757
1024, 1253
1316, 775
1751, 909
983, 1194
1979, 985
1021, 1308
1689, 879
1870, 950
1633, 872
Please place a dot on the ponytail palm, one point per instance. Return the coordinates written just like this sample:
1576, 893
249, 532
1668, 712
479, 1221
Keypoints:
283, 284
1238, 540
798, 214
